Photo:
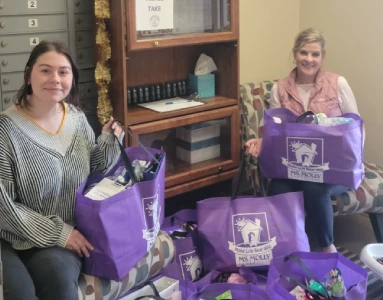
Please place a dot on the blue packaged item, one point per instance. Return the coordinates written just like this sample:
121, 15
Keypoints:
323, 120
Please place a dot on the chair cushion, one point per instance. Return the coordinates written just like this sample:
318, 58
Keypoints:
159, 256
367, 198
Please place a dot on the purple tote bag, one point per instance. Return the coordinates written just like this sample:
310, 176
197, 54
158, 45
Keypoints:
238, 291
251, 278
320, 264
310, 152
121, 228
249, 231
186, 288
187, 264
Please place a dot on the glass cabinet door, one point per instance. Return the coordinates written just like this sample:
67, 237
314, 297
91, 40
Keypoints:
196, 145
164, 23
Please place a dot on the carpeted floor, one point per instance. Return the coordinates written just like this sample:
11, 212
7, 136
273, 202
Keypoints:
375, 286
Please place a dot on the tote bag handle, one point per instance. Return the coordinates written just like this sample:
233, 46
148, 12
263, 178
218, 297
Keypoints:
238, 178
126, 159
156, 295
303, 116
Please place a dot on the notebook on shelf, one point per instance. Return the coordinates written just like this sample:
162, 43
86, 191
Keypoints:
170, 104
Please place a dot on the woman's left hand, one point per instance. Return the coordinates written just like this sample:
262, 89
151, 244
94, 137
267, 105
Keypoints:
113, 127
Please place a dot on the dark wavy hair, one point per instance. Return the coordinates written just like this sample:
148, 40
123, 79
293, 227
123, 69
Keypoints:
44, 47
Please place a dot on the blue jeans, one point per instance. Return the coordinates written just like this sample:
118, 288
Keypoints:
318, 206
44, 274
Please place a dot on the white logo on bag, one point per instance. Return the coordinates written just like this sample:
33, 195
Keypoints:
305, 159
252, 244
152, 212
191, 265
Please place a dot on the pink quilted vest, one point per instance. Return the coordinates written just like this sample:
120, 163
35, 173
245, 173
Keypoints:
323, 97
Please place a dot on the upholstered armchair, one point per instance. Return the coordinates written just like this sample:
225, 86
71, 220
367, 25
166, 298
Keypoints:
368, 198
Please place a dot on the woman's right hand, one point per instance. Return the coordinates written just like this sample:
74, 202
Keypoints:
78, 243
253, 147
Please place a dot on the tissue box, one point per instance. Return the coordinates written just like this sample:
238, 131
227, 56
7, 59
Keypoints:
198, 142
204, 85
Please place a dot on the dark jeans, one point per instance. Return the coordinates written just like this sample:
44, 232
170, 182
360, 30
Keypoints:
44, 274
318, 207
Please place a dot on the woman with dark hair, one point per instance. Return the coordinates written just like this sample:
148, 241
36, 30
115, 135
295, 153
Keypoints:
47, 148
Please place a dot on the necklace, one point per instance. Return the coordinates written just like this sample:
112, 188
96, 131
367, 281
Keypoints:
305, 87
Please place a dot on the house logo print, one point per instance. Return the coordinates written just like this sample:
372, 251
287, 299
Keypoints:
252, 244
150, 209
251, 231
152, 213
304, 153
191, 266
305, 159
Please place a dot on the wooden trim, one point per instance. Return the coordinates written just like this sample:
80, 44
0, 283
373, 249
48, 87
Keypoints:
196, 184
235, 129
184, 120
185, 172
234, 8
118, 85
137, 115
186, 39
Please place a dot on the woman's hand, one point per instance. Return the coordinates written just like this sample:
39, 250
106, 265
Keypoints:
78, 243
253, 147
114, 127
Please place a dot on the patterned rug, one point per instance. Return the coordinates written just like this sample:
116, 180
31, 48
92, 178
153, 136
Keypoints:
374, 285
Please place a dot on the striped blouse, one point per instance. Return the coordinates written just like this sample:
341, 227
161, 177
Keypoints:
39, 174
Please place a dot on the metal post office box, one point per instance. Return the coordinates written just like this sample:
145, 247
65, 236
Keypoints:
13, 62
12, 81
85, 58
83, 6
84, 38
7, 99
89, 106
26, 42
87, 90
83, 21
86, 75
26, 24
24, 7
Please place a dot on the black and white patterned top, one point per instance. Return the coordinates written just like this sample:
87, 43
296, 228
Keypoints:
40, 172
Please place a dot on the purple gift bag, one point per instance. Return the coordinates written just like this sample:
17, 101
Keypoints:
187, 264
249, 231
238, 291
122, 228
215, 277
311, 152
186, 288
319, 264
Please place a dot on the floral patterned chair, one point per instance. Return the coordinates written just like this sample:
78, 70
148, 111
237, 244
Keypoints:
368, 198
94, 288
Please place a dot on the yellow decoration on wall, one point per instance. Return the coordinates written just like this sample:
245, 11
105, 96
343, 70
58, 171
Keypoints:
102, 9
102, 72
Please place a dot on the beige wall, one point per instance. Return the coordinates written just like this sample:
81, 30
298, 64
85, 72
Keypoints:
266, 38
353, 29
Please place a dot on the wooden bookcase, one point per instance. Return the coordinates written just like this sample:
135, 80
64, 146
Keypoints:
140, 61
